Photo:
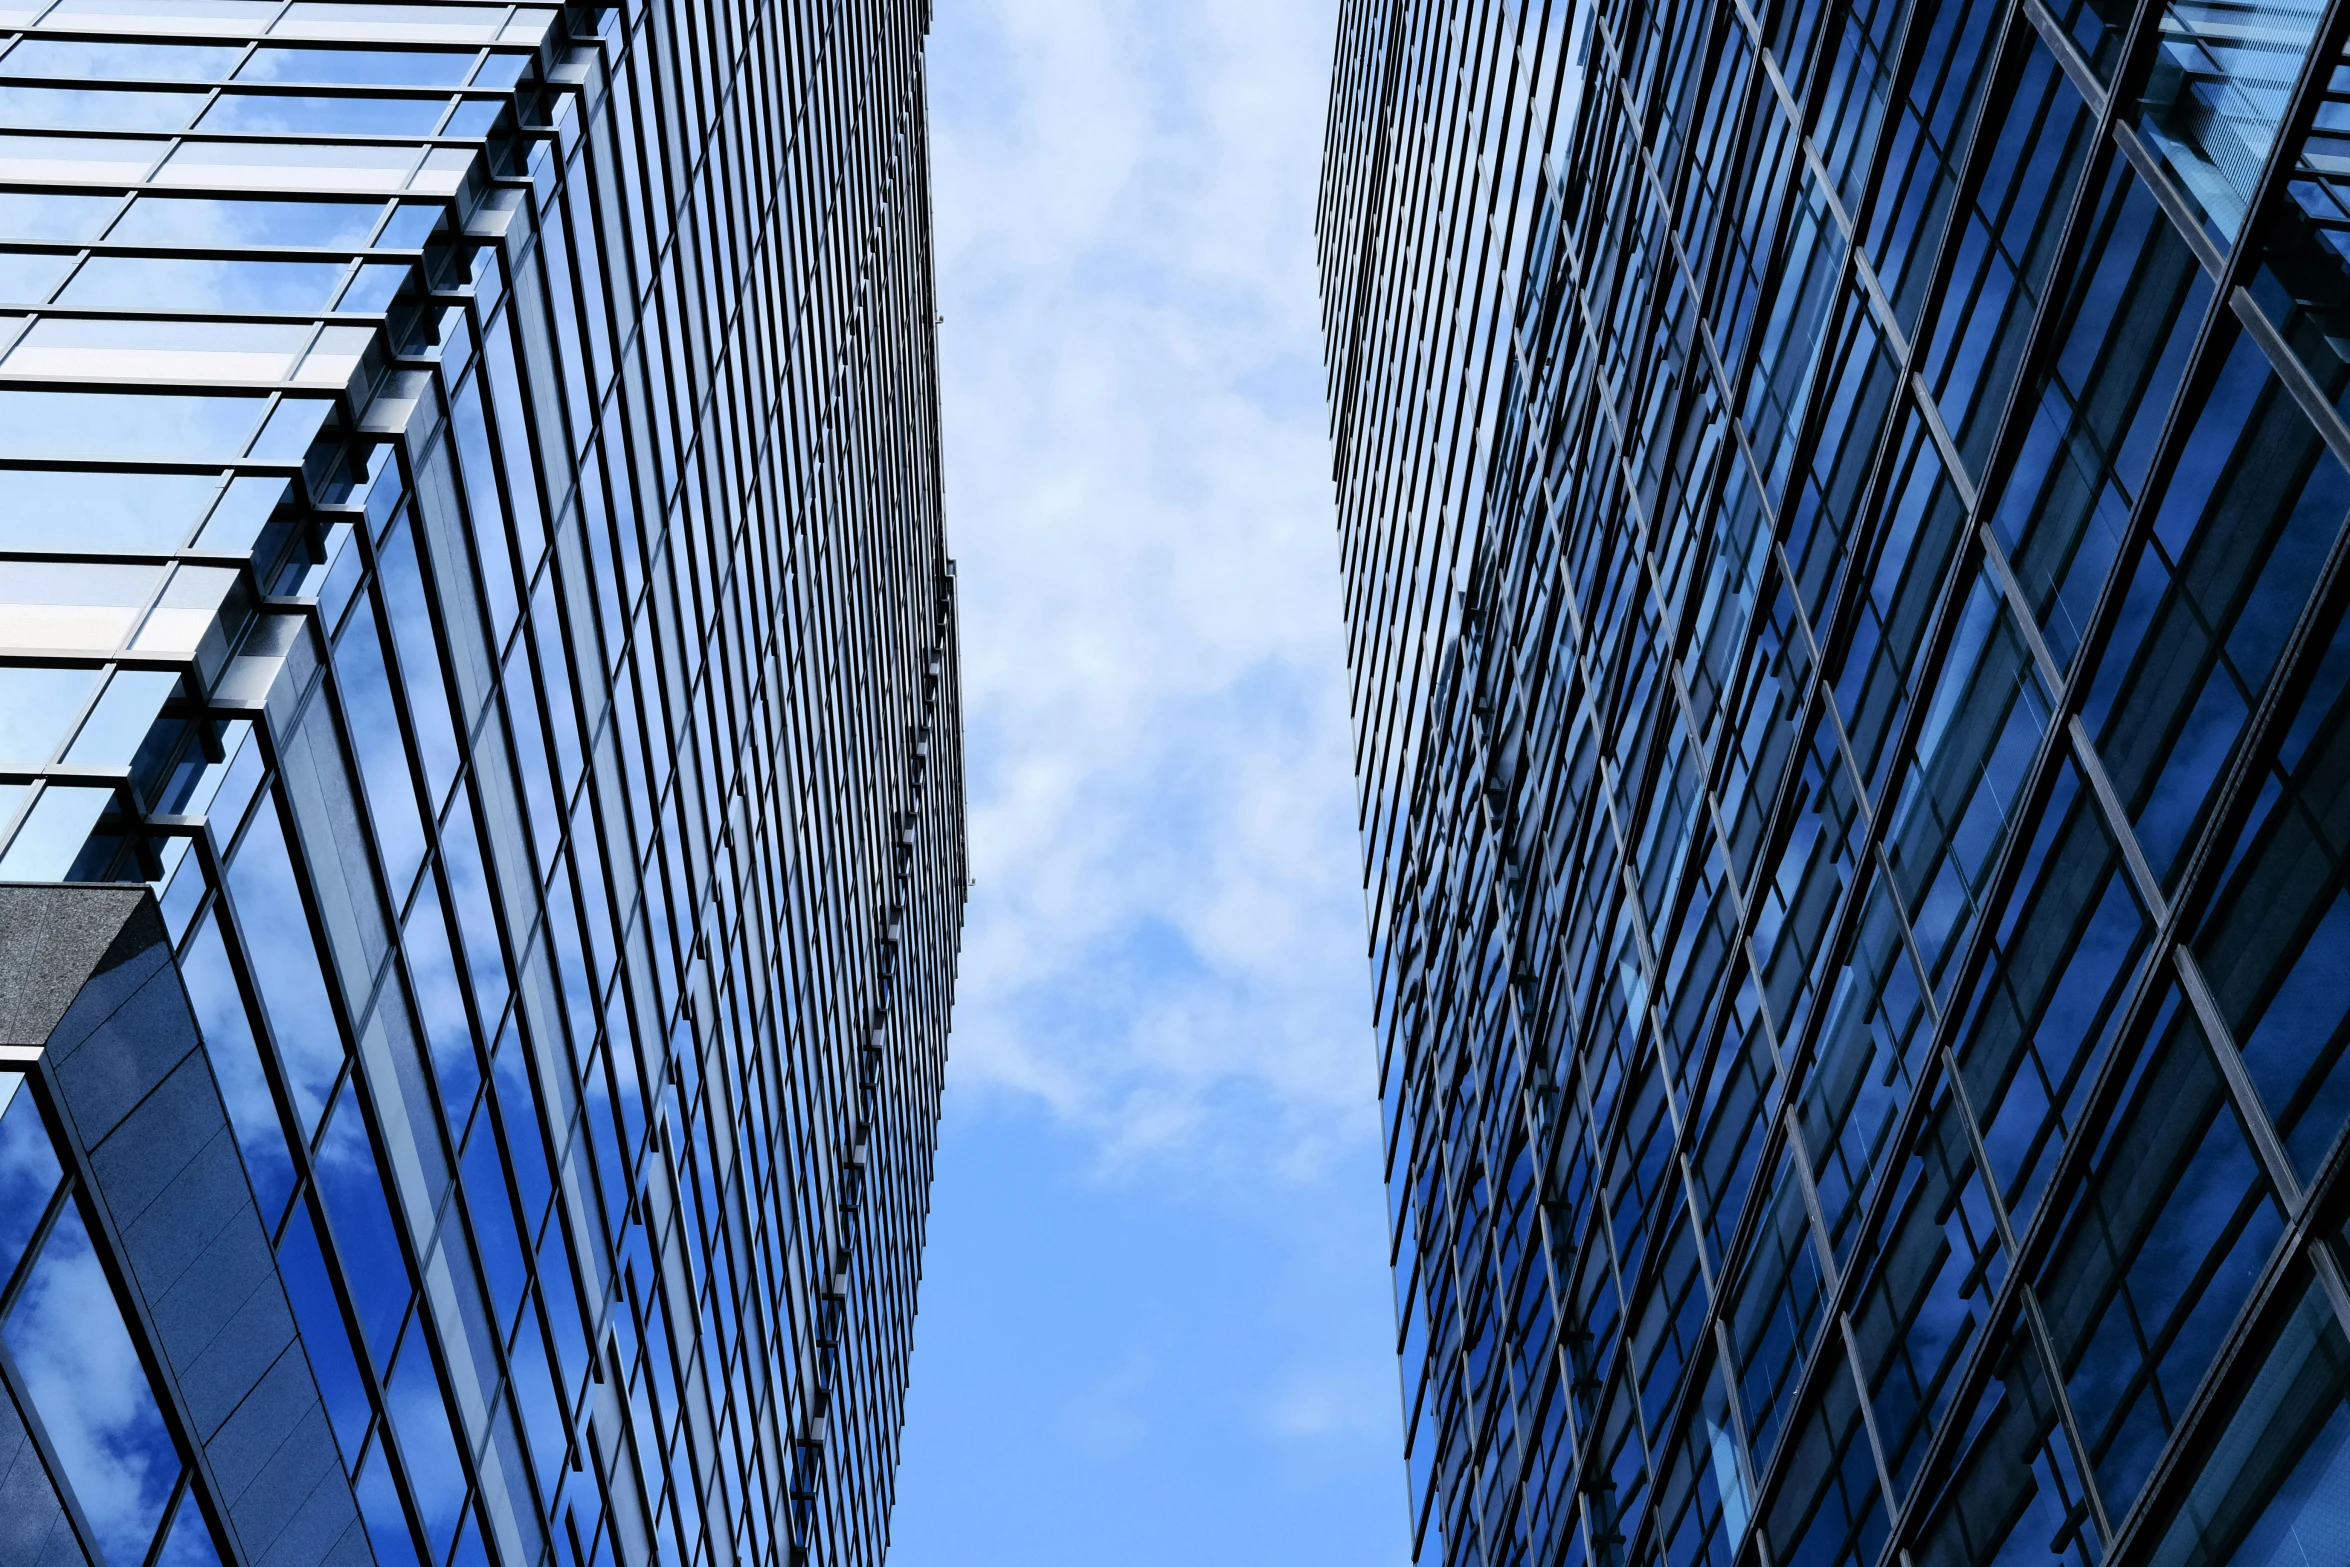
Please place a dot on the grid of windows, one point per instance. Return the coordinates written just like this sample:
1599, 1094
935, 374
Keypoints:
1843, 517
470, 540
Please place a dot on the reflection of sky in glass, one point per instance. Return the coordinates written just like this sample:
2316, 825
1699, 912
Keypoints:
37, 705
361, 67
285, 965
124, 424
207, 220
28, 1171
68, 1340
236, 1066
84, 108
45, 215
190, 1543
27, 277
130, 62
192, 283
288, 114
136, 511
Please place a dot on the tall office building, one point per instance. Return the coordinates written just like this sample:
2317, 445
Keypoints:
1843, 510
480, 804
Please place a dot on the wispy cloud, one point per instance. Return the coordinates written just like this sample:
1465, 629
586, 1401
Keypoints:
1166, 941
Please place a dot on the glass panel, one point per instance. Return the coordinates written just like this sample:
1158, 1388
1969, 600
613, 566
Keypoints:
127, 511
2125, 328
290, 115
78, 1362
125, 424
92, 109
29, 1172
2250, 513
193, 283
49, 842
230, 221
2275, 944
38, 706
2275, 1490
2155, 1255
107, 61
1927, 1282
2217, 92
2015, 1496
1963, 784
285, 965
2062, 956
119, 725
360, 67
1904, 227
2005, 248
55, 215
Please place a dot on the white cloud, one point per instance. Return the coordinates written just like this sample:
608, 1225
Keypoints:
1166, 941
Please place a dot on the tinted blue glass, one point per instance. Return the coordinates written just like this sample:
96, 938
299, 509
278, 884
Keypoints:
351, 1187
236, 1066
189, 1544
379, 1505
28, 277
2136, 303
2250, 512
2276, 1492
2156, 1254
412, 1400
285, 965
2275, 943
29, 1172
302, 1264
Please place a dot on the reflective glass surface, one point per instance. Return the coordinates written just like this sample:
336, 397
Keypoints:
1846, 616
470, 543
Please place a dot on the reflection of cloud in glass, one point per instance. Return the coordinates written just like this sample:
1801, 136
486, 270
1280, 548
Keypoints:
28, 1171
288, 114
189, 1544
27, 277
89, 109
69, 1342
209, 220
195, 283
44, 215
122, 62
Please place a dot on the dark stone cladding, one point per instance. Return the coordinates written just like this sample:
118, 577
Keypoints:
140, 1123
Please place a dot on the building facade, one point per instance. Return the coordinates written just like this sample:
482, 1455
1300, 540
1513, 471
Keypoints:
481, 841
1843, 521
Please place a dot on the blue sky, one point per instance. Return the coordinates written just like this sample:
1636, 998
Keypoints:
1156, 1318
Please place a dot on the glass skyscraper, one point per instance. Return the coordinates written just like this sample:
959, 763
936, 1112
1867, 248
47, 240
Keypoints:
481, 841
1843, 521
